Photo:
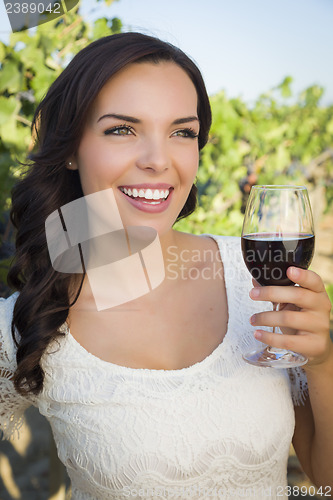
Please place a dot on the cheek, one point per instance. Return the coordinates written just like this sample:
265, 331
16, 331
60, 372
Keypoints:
189, 162
97, 163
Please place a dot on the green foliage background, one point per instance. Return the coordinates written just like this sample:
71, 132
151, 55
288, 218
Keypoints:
281, 139
28, 65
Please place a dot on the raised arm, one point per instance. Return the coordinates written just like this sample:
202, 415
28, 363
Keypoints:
304, 319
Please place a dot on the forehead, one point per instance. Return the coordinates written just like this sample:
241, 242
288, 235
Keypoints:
143, 88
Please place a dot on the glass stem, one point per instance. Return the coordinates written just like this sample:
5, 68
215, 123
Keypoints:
269, 348
275, 308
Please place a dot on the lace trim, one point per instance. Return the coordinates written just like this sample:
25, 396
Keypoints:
217, 461
12, 418
12, 404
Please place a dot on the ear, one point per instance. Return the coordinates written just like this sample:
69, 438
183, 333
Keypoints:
71, 164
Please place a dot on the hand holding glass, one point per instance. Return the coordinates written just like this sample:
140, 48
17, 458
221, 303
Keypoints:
277, 233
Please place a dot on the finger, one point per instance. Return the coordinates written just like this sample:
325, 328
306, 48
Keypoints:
302, 321
306, 279
301, 297
308, 345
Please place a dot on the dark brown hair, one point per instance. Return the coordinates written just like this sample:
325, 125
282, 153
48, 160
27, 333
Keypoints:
44, 300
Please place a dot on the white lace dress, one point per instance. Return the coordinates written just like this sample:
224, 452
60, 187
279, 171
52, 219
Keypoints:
220, 428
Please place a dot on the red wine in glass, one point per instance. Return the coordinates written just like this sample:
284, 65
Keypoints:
277, 233
268, 256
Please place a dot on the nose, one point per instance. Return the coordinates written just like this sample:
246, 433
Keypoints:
153, 155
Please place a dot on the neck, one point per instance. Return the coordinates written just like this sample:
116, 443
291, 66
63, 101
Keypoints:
171, 246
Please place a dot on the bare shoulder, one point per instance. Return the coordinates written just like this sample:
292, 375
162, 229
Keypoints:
204, 244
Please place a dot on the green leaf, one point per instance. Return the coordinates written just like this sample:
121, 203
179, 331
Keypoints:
30, 56
8, 108
10, 77
329, 127
100, 28
285, 87
116, 25
8, 134
41, 82
312, 95
2, 52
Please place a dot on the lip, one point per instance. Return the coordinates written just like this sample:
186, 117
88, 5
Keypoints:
147, 207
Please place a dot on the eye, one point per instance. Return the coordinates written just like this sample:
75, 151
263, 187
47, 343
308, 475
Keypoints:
119, 130
186, 132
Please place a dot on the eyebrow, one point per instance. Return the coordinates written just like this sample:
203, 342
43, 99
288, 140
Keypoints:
131, 119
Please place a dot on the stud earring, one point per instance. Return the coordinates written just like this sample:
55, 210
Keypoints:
69, 163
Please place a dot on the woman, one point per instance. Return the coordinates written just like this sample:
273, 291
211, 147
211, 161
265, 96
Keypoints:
151, 397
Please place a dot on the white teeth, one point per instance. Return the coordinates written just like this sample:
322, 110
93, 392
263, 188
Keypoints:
148, 194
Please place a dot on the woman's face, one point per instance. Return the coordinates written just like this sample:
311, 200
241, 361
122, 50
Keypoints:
141, 140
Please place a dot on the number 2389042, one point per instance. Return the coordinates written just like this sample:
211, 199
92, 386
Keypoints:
32, 8
302, 491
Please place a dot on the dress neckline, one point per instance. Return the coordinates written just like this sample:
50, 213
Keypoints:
121, 369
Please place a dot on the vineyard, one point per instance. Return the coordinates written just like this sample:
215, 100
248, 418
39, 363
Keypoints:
280, 139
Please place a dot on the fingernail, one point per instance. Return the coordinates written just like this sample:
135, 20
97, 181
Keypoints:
295, 272
253, 319
254, 293
258, 335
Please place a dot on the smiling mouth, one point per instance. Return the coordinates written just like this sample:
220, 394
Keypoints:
149, 196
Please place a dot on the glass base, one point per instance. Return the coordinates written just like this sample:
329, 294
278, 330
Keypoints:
275, 358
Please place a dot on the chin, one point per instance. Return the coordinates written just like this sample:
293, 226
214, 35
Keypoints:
159, 228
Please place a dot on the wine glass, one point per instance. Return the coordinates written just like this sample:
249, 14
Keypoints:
277, 233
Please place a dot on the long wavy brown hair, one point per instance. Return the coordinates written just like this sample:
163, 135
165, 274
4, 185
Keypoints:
43, 304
